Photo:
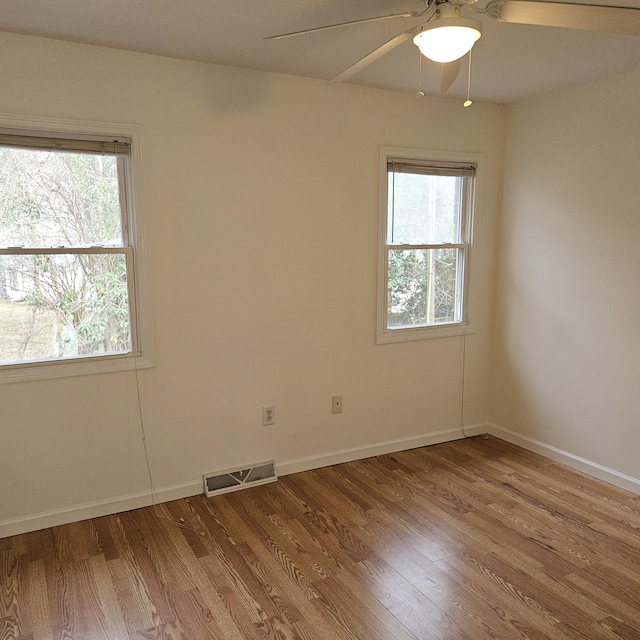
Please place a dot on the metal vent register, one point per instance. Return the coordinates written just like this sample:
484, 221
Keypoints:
234, 479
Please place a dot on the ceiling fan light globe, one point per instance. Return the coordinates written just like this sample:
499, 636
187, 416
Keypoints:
448, 39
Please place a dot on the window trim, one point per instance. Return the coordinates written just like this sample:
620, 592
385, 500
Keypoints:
142, 354
424, 156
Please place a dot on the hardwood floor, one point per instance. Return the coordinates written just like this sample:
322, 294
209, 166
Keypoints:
468, 540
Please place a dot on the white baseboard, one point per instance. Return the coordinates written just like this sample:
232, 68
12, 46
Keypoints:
377, 449
568, 459
143, 499
96, 509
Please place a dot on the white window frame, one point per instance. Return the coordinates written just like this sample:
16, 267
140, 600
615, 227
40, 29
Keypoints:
141, 355
385, 335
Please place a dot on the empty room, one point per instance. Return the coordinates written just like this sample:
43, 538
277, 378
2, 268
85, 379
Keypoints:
318, 336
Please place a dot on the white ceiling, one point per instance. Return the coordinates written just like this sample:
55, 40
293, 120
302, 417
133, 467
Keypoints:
510, 62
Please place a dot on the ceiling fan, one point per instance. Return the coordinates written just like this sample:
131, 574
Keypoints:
446, 36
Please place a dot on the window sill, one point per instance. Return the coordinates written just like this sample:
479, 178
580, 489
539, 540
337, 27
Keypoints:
423, 333
50, 370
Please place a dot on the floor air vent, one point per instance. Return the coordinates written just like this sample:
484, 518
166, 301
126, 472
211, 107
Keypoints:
234, 479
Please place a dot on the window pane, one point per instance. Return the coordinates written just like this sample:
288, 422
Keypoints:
63, 305
54, 199
422, 287
423, 209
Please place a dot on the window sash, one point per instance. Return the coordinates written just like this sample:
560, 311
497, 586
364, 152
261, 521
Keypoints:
122, 193
460, 289
430, 168
47, 141
467, 174
36, 251
127, 252
444, 245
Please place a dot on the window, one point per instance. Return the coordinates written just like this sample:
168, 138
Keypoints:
69, 294
426, 206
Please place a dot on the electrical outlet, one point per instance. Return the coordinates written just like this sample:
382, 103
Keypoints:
336, 404
268, 415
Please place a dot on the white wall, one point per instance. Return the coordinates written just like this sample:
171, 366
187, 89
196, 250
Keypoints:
567, 354
261, 211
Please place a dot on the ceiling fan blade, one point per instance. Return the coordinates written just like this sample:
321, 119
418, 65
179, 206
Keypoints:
448, 74
571, 16
372, 57
407, 14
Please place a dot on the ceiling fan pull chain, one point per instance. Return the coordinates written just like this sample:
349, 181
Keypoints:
420, 92
468, 102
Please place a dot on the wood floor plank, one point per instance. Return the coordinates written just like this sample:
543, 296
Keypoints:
617, 629
166, 631
63, 601
225, 604
145, 576
107, 598
15, 614
38, 603
423, 616
198, 620
106, 546
133, 597
335, 501
347, 610
411, 512
521, 615
238, 515
312, 551
95, 614
475, 539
